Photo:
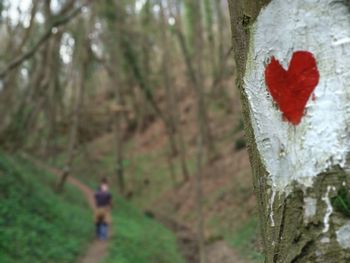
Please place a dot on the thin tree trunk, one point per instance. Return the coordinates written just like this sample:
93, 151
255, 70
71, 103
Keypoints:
73, 136
119, 144
210, 53
79, 99
182, 147
173, 127
196, 75
118, 130
119, 110
199, 202
204, 124
217, 86
52, 90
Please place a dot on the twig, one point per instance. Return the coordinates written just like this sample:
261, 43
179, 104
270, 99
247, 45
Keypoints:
45, 37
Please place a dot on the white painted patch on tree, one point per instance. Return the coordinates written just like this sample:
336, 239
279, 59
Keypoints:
329, 209
325, 240
273, 196
343, 236
310, 205
299, 153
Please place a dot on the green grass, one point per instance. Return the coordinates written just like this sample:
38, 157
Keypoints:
140, 239
244, 238
37, 225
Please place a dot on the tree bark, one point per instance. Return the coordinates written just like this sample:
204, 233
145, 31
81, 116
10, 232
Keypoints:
42, 40
217, 86
78, 104
193, 62
119, 142
305, 224
204, 124
199, 201
73, 136
209, 22
118, 127
173, 127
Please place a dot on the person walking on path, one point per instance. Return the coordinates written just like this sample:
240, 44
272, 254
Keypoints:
103, 199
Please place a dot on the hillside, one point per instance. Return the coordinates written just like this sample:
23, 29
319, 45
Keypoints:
36, 224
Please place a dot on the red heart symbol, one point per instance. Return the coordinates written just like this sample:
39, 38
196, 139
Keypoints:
292, 88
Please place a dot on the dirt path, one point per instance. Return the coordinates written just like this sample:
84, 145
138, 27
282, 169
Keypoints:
97, 250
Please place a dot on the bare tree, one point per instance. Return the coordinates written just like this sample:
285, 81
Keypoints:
45, 37
194, 65
173, 127
83, 57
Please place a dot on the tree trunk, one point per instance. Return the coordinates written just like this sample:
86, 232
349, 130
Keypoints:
78, 104
73, 136
193, 62
199, 201
173, 127
119, 145
51, 103
300, 168
204, 125
217, 86
210, 50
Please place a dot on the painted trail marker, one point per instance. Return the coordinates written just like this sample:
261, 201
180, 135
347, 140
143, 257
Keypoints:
300, 50
292, 88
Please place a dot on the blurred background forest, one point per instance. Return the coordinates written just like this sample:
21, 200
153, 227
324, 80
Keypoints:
142, 92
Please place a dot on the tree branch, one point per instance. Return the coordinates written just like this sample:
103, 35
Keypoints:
30, 27
45, 37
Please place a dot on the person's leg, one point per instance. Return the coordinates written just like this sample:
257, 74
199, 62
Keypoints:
104, 231
99, 230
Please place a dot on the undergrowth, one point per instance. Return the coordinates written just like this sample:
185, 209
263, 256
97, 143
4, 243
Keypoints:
341, 202
37, 225
140, 239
